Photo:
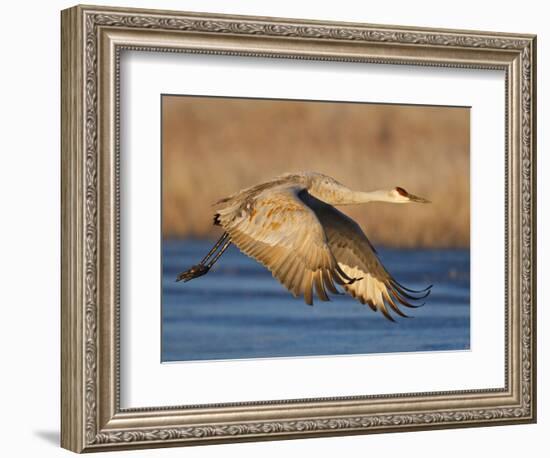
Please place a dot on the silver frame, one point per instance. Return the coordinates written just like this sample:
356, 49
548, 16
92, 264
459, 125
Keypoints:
92, 40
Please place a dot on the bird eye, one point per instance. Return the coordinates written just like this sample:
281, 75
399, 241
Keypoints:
402, 191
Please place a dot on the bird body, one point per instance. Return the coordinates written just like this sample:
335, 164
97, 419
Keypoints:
290, 225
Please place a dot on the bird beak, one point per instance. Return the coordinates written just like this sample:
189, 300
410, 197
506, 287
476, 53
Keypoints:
420, 200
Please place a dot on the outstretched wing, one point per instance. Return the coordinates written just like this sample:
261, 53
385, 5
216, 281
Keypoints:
357, 258
276, 228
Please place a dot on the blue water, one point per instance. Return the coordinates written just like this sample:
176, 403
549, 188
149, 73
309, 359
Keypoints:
238, 310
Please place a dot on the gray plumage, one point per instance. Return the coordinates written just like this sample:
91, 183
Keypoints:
290, 225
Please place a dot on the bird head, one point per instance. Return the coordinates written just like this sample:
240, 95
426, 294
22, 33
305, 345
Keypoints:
400, 196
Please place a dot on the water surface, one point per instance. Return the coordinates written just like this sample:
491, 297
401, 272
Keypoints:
239, 310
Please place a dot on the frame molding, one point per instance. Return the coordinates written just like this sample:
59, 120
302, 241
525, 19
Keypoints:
92, 40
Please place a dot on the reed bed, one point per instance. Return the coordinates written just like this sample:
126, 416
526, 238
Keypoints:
213, 147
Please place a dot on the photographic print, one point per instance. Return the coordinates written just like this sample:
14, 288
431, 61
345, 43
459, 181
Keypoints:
257, 212
313, 228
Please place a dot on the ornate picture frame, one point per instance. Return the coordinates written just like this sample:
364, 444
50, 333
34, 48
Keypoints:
93, 39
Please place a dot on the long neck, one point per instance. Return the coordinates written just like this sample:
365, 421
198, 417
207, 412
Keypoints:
350, 197
338, 194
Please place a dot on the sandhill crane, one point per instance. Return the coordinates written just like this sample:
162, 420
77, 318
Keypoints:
290, 225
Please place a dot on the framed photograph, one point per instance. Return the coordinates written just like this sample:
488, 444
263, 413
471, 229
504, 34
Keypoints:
277, 228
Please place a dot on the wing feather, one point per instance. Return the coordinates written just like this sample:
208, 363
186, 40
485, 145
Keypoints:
357, 258
279, 230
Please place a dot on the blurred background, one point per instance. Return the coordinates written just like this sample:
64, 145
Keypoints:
214, 147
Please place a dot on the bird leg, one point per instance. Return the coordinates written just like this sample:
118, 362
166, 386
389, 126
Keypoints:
208, 261
197, 270
222, 239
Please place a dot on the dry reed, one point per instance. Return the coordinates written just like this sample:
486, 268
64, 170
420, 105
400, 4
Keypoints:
213, 147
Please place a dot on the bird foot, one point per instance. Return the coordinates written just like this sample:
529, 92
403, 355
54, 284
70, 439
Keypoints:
194, 272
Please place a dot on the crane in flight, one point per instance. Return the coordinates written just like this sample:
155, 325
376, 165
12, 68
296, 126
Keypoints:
291, 226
